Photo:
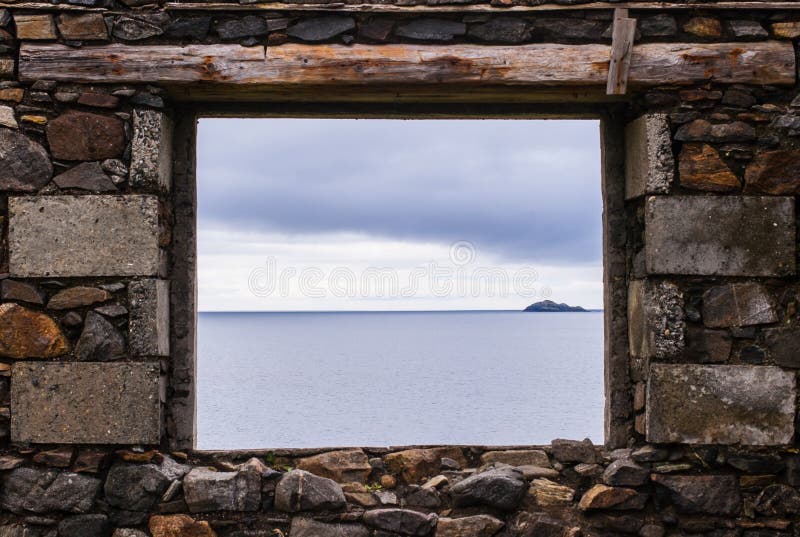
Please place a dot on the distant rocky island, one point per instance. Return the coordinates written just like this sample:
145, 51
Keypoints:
550, 306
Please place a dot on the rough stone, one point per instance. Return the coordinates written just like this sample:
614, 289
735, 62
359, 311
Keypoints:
507, 30
656, 323
414, 465
778, 500
321, 28
40, 491
574, 450
248, 26
83, 27
7, 118
134, 487
560, 28
649, 163
615, 498
502, 488
12, 94
137, 28
151, 149
206, 491
149, 317
703, 27
24, 165
547, 493
190, 28
112, 310
720, 235
21, 291
308, 527
747, 29
658, 26
517, 457
128, 532
179, 526
346, 466
25, 333
720, 404
431, 29
376, 28
783, 346
76, 297
100, 340
774, 172
56, 458
86, 176
707, 494
625, 473
302, 491
708, 346
401, 521
35, 27
701, 168
84, 236
89, 403
85, 136
701, 130
98, 100
786, 30
738, 304
84, 526
470, 526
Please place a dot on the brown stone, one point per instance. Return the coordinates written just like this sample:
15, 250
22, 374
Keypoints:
58, 458
701, 168
12, 94
788, 30
86, 176
703, 27
83, 27
708, 346
415, 464
350, 465
605, 497
701, 130
6, 67
98, 100
89, 461
24, 165
35, 27
738, 304
547, 493
75, 297
774, 172
179, 526
21, 291
471, 526
86, 136
26, 333
517, 457
9, 462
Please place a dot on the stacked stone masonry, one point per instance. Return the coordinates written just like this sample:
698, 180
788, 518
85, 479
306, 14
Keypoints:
96, 373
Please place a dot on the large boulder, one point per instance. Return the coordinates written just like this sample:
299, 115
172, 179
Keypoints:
502, 488
40, 491
135, 487
299, 490
401, 521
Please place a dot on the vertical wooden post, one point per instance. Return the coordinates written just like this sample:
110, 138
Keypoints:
623, 35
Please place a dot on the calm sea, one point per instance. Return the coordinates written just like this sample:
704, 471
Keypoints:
273, 380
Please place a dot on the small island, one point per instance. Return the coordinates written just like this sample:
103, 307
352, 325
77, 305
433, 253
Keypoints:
550, 306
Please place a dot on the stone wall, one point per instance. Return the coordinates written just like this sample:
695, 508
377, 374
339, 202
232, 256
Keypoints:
96, 312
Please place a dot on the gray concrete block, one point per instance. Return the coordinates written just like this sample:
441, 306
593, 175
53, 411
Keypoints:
656, 323
720, 235
720, 404
85, 403
84, 236
148, 326
151, 149
649, 163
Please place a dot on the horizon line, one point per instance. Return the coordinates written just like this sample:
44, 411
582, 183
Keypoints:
588, 310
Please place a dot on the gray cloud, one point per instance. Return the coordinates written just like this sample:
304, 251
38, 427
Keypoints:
528, 190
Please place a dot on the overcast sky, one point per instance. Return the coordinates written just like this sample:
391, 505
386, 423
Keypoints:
333, 214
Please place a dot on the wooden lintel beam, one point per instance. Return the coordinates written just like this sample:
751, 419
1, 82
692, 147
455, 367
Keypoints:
623, 34
538, 65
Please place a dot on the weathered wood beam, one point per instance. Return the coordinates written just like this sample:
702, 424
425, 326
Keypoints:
623, 34
767, 62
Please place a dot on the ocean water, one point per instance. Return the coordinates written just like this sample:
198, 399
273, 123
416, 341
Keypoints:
281, 380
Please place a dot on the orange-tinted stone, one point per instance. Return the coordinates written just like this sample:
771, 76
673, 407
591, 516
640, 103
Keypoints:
26, 333
774, 172
179, 526
701, 168
703, 27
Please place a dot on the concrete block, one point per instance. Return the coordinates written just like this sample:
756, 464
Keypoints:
720, 235
656, 323
149, 317
151, 150
720, 404
85, 403
84, 236
649, 163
